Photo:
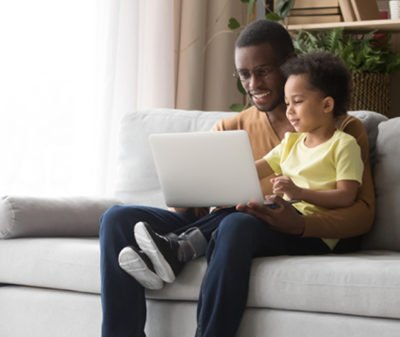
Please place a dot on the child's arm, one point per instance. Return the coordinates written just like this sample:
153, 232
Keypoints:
263, 168
343, 195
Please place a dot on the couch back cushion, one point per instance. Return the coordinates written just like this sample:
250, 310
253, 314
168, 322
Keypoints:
136, 181
385, 233
371, 120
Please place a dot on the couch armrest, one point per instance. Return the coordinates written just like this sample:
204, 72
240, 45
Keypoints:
44, 217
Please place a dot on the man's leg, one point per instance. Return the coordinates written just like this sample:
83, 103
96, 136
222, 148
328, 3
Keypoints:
240, 237
122, 297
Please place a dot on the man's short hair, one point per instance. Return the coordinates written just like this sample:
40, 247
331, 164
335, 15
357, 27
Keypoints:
327, 73
265, 31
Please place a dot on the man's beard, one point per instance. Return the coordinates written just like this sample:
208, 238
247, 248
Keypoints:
272, 106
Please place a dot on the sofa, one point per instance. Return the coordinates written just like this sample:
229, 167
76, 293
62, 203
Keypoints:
49, 256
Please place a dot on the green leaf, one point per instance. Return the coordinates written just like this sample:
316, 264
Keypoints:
239, 86
273, 16
250, 8
284, 7
245, 1
237, 107
366, 53
233, 24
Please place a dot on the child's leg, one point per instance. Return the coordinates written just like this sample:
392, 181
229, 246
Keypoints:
168, 253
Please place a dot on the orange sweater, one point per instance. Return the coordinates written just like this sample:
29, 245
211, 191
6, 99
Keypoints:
337, 223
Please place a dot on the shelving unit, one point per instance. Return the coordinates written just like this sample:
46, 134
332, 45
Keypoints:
354, 26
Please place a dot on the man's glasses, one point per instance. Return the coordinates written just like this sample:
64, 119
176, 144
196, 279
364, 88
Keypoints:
259, 72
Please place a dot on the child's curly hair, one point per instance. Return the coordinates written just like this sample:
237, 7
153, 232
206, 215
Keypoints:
327, 73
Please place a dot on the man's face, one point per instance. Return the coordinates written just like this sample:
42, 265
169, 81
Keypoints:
258, 69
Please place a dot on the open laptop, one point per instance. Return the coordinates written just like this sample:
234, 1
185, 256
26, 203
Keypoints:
197, 169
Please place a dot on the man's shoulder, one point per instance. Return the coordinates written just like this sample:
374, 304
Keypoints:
354, 127
344, 138
350, 125
239, 121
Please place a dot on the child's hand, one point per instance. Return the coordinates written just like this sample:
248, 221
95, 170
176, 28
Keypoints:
284, 185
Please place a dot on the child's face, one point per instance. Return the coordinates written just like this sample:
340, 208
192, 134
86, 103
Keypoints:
307, 108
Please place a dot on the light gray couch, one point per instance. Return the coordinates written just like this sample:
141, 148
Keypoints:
49, 257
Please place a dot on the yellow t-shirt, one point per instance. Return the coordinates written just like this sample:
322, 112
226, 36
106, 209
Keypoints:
319, 167
334, 223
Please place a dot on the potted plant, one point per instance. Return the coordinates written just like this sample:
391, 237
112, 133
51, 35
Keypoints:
368, 56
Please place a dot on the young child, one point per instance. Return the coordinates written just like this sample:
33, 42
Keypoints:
317, 164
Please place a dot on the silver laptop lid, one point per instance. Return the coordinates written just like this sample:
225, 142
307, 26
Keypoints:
199, 169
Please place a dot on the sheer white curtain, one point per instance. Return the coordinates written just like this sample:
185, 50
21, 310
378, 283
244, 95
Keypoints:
68, 72
140, 64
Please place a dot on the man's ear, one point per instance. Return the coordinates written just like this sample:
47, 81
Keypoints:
328, 104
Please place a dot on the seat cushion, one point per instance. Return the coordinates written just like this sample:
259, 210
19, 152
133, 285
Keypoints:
365, 284
58, 263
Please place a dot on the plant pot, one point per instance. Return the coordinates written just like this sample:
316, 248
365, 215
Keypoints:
371, 92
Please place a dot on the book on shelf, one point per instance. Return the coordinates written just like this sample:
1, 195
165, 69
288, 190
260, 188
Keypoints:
315, 11
299, 4
365, 9
306, 19
347, 11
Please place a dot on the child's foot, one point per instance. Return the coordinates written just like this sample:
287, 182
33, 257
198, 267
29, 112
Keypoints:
162, 251
138, 265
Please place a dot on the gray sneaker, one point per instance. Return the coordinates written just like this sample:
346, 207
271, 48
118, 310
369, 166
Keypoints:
137, 264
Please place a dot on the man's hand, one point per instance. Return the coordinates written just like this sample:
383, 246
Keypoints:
284, 218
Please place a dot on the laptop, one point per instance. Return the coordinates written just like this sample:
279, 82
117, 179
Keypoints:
203, 169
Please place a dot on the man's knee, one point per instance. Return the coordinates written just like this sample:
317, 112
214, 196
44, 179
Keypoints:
117, 217
238, 225
237, 231
110, 216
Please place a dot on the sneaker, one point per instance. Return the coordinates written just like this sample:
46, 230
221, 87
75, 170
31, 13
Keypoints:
139, 266
162, 251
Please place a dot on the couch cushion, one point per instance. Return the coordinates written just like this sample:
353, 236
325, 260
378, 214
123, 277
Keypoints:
385, 233
365, 284
136, 179
33, 217
370, 120
38, 312
58, 263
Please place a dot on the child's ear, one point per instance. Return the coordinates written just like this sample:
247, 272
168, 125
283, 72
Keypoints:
328, 104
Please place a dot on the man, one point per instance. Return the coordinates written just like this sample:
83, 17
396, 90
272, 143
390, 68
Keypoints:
236, 237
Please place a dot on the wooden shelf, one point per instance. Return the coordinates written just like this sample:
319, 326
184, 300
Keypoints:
355, 26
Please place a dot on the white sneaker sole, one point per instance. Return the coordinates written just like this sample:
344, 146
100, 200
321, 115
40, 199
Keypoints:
146, 243
132, 263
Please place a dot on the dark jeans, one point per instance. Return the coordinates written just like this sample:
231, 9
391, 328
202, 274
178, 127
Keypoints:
238, 239
122, 298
